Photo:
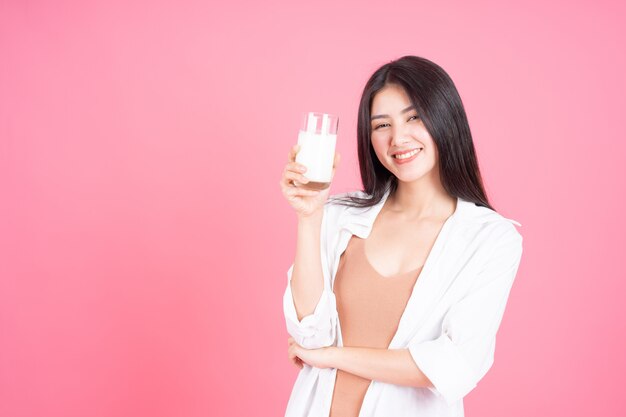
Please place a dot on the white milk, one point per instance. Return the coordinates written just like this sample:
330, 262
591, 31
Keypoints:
317, 153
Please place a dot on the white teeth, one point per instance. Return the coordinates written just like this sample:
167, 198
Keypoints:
407, 155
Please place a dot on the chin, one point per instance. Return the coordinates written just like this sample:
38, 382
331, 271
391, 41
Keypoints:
408, 180
411, 178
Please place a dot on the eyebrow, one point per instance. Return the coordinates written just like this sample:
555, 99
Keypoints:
381, 116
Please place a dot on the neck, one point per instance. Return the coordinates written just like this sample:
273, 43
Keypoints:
421, 199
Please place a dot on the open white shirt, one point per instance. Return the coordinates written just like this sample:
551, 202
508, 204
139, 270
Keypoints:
449, 324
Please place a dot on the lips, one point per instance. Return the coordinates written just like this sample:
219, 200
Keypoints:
404, 153
414, 154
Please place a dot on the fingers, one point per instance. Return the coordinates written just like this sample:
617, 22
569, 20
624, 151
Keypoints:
288, 186
291, 353
290, 175
292, 153
293, 171
295, 168
298, 362
293, 191
290, 190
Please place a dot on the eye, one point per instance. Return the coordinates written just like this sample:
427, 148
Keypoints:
414, 117
380, 125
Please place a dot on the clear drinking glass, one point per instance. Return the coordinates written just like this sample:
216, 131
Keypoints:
317, 139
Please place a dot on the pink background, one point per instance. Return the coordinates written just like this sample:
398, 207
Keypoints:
144, 240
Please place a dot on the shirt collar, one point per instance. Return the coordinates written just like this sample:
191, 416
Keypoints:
359, 220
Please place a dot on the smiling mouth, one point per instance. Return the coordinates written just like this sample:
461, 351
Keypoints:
407, 154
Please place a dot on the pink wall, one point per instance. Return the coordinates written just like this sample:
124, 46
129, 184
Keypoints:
144, 241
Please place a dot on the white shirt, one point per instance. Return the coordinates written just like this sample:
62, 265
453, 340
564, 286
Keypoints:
449, 324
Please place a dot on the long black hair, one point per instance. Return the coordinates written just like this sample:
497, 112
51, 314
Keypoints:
439, 105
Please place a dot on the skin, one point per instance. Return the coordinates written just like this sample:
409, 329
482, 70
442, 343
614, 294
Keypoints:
419, 207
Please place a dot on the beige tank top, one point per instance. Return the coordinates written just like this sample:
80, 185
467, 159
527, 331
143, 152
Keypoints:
369, 306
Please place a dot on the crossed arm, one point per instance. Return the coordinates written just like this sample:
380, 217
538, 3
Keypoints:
394, 366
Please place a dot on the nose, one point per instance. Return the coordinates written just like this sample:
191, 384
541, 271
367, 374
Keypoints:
400, 136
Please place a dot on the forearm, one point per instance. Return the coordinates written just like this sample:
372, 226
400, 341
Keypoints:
307, 282
394, 366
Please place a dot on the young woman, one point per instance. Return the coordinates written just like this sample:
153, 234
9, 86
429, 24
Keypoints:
397, 291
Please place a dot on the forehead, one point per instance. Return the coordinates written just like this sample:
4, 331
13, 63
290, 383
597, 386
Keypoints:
389, 100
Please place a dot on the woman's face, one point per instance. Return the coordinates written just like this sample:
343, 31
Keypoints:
397, 128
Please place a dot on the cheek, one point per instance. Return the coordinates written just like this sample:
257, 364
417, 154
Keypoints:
423, 135
433, 152
379, 144
381, 151
377, 147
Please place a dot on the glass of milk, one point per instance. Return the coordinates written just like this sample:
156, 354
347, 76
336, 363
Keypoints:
317, 139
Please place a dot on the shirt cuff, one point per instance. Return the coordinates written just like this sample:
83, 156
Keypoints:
317, 329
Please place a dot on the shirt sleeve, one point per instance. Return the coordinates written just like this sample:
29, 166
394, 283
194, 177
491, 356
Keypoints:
462, 355
315, 330
318, 329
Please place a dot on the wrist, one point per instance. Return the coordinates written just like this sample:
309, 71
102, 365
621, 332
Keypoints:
314, 218
333, 353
